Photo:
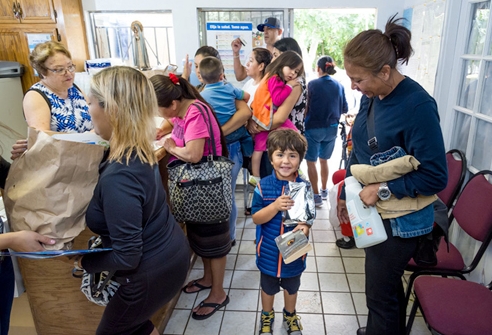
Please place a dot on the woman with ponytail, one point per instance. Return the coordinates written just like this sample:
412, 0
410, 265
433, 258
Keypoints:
404, 116
325, 104
180, 103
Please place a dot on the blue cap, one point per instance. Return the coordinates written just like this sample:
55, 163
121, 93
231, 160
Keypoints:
271, 22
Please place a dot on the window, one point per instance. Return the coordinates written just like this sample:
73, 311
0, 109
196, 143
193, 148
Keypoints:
472, 105
256, 16
114, 38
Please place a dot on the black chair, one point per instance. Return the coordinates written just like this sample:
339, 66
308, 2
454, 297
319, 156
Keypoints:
473, 213
451, 306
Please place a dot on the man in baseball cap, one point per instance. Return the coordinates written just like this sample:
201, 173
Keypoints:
272, 31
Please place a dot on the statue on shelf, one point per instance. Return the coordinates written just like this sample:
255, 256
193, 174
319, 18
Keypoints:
140, 56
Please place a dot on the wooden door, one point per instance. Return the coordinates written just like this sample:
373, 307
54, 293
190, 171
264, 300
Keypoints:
7, 11
37, 11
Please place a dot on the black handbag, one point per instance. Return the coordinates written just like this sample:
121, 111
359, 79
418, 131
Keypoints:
201, 192
428, 245
98, 287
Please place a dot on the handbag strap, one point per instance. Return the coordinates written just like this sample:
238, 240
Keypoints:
211, 138
373, 141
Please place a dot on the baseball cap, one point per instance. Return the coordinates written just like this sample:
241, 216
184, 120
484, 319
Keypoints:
271, 22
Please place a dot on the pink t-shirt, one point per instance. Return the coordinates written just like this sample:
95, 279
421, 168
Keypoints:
193, 127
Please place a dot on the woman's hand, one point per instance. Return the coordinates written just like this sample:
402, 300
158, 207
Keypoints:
369, 194
236, 46
342, 211
186, 68
27, 241
169, 144
18, 149
253, 127
304, 227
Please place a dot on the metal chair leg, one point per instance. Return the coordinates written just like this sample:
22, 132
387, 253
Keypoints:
411, 317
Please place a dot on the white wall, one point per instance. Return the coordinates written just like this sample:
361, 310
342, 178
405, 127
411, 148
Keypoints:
185, 13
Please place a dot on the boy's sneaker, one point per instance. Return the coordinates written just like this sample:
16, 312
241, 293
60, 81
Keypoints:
266, 323
253, 181
292, 324
324, 194
318, 202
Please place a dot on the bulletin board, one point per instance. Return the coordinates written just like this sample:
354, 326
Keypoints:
221, 34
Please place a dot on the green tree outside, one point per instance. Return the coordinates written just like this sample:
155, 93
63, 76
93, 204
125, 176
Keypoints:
326, 32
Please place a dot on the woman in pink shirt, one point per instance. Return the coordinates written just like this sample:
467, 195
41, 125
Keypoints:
179, 104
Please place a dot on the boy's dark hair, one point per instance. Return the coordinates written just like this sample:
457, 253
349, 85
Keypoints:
210, 69
286, 139
287, 58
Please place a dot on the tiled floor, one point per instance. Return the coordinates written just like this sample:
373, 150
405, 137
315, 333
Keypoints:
331, 298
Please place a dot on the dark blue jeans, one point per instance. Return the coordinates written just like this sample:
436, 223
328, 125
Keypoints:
385, 296
7, 282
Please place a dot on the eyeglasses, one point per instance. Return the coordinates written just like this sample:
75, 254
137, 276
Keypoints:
63, 70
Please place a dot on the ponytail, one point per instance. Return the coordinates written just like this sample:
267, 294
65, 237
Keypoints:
327, 65
372, 49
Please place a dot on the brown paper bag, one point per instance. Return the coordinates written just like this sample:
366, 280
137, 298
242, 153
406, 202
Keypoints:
49, 187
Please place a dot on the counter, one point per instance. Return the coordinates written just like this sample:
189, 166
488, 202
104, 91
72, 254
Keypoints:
57, 305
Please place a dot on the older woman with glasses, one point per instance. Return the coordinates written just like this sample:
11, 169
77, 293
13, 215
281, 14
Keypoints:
55, 103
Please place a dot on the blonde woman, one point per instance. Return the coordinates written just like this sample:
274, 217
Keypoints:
129, 209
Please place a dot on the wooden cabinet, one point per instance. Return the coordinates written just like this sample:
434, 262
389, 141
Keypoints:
63, 19
14, 47
7, 9
27, 11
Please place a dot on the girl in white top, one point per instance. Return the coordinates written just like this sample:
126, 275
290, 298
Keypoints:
255, 69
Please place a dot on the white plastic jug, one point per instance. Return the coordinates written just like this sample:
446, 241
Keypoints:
367, 224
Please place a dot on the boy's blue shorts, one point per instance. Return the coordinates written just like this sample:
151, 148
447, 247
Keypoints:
271, 285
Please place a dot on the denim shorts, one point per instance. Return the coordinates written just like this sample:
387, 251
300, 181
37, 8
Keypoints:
271, 285
321, 142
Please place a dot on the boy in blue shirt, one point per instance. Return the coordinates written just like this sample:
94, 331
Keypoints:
286, 149
222, 97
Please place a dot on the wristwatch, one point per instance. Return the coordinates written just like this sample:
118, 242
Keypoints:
384, 192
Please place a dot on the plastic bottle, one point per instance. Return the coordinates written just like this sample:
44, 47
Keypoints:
367, 224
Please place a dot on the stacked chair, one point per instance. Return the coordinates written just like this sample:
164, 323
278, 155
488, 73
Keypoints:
456, 163
447, 303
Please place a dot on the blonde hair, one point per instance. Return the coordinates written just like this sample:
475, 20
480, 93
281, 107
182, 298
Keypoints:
129, 101
42, 52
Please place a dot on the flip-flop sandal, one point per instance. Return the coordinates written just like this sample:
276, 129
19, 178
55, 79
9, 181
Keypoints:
196, 284
215, 306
